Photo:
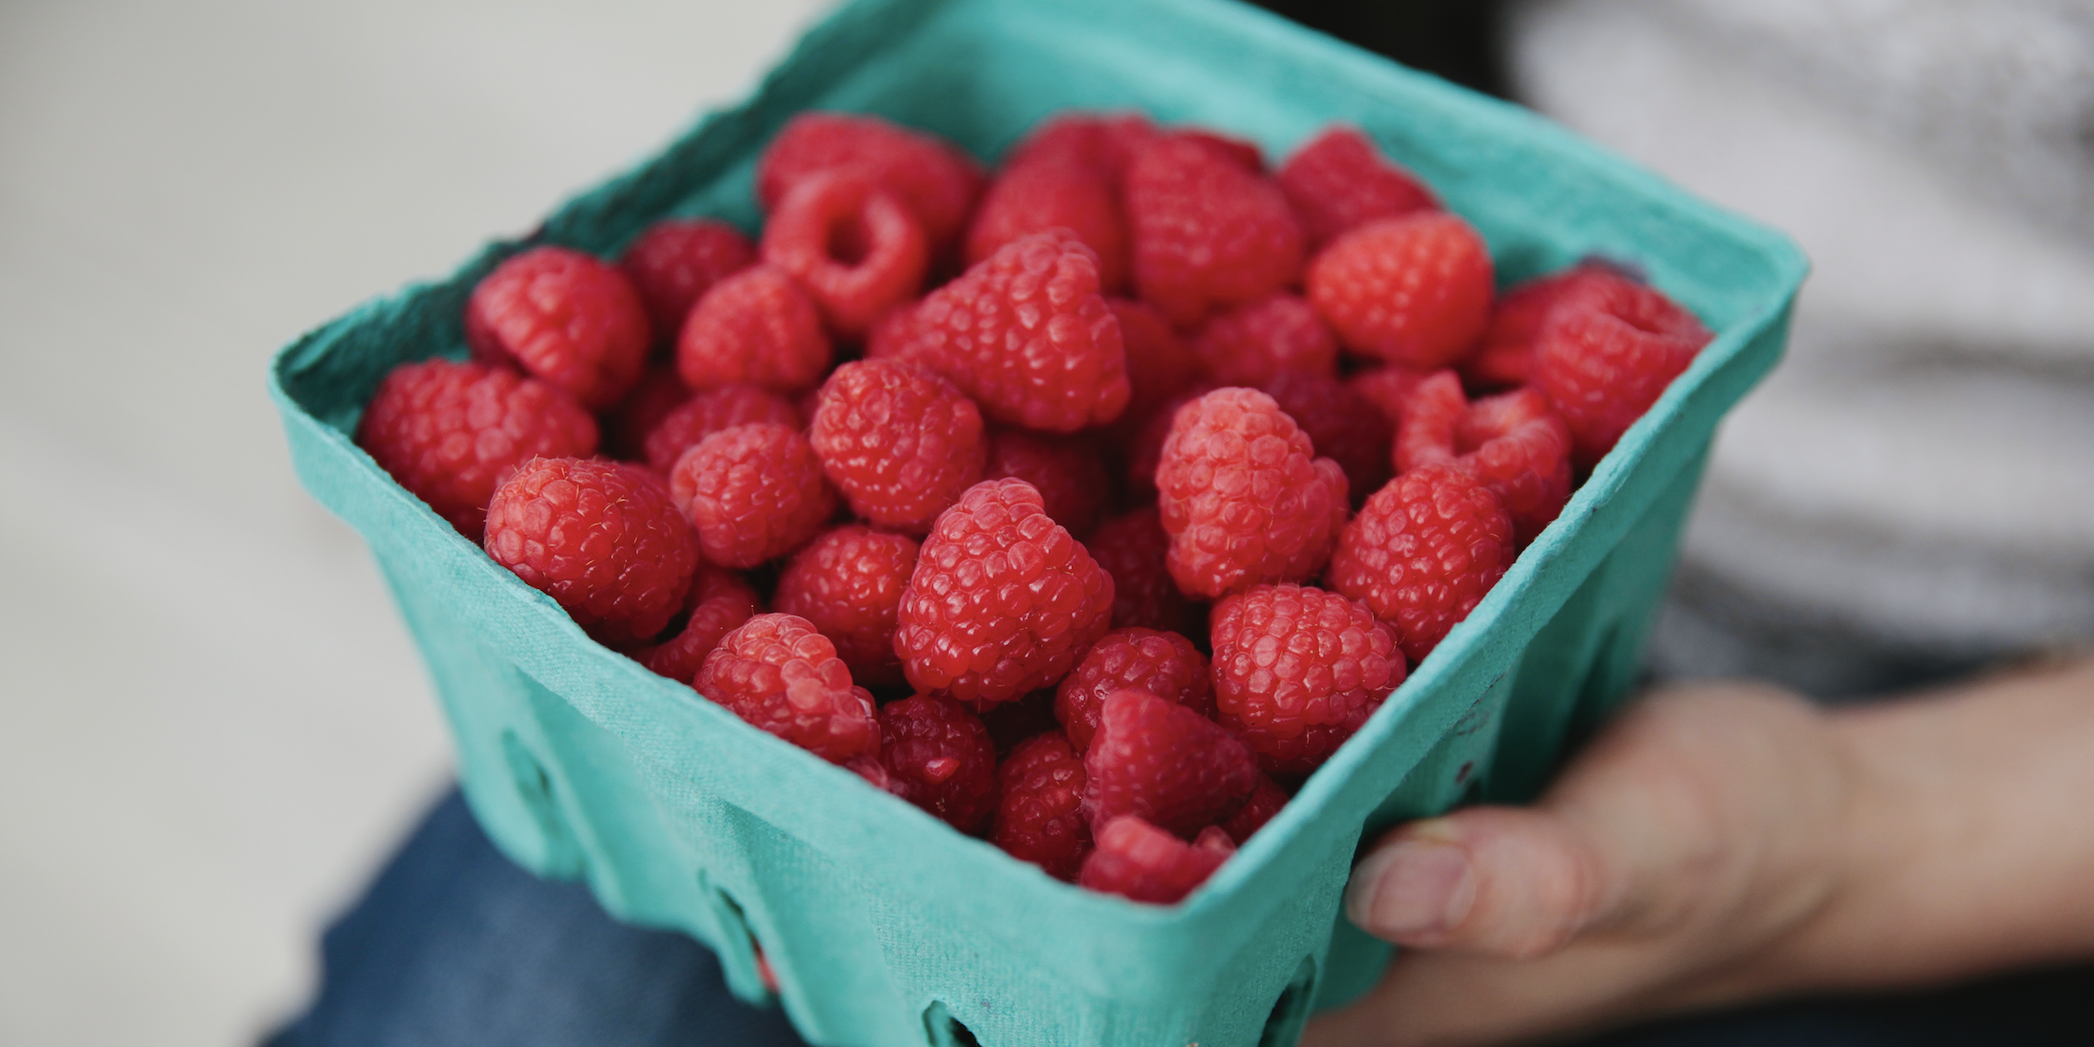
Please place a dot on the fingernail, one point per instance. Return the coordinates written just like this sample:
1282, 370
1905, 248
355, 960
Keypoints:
1415, 887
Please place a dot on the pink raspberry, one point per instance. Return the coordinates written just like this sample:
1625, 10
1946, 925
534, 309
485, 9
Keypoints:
1605, 353
565, 318
1069, 474
855, 248
1208, 233
849, 582
1414, 290
1266, 801
1142, 862
1339, 181
940, 758
754, 492
780, 674
1253, 343
756, 326
1423, 552
1167, 764
900, 442
673, 262
603, 540
1510, 442
1039, 816
719, 602
1297, 670
1343, 425
707, 412
1164, 664
1133, 549
1505, 358
1039, 195
935, 180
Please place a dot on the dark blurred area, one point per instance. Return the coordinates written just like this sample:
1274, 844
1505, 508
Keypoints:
1451, 39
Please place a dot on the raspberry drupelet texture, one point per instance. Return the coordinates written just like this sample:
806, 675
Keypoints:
1103, 141
719, 602
753, 492
1297, 670
854, 247
939, 757
1144, 449
676, 260
849, 582
780, 674
1164, 664
899, 441
932, 178
1511, 442
1338, 181
1068, 473
1388, 388
757, 326
1605, 353
1002, 601
1142, 862
450, 432
1414, 290
1256, 342
1343, 425
1242, 495
1039, 812
1207, 232
707, 412
604, 540
1159, 363
1423, 552
1167, 764
1266, 801
1054, 193
625, 427
564, 317
1505, 357
1133, 549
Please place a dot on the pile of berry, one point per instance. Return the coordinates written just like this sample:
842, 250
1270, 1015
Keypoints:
1089, 504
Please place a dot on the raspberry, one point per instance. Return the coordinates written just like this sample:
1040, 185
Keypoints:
1039, 816
1414, 290
1132, 548
756, 326
900, 442
1605, 354
450, 432
780, 674
1144, 451
1339, 181
1069, 475
1510, 442
1506, 355
1164, 664
719, 602
1106, 142
1297, 670
1422, 553
891, 334
854, 247
1388, 387
1207, 233
565, 318
1242, 495
1266, 801
754, 492
1343, 425
1430, 418
1250, 344
1014, 722
1003, 601
1169, 765
1159, 363
1237, 151
1049, 193
603, 540
848, 582
658, 392
1139, 861
1026, 334
934, 180
940, 759
709, 411
673, 262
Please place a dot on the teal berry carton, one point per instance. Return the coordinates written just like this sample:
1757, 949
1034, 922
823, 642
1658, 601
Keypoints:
884, 927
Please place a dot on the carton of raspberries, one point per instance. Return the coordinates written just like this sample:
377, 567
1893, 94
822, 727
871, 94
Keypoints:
1089, 503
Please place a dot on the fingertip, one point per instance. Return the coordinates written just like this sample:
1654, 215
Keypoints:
1502, 881
1412, 890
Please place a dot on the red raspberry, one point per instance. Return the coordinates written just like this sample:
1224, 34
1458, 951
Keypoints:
1144, 451
754, 492
891, 334
900, 442
1174, 768
450, 432
1026, 334
1035, 196
854, 247
1266, 801
1242, 153
1297, 670
1423, 552
848, 582
756, 326
940, 759
1139, 861
719, 602
779, 673
709, 411
1164, 664
1159, 363
1343, 425
1003, 601
1132, 548
1242, 495
1605, 354
564, 317
1069, 475
1414, 290
676, 260
1430, 418
932, 178
1250, 344
1039, 817
1506, 355
1014, 722
1338, 181
1511, 442
1106, 142
1207, 233
1389, 388
603, 540
658, 392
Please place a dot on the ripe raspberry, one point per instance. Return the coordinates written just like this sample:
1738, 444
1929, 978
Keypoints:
1414, 290
1297, 670
754, 492
940, 759
779, 673
603, 540
1242, 153
676, 260
1026, 334
1035, 196
1159, 363
1014, 722
891, 334
854, 247
900, 442
1505, 357
1343, 426
1104, 141
1510, 442
719, 602
658, 392
1039, 816
1069, 474
932, 178
709, 411
1605, 354
1266, 801
1251, 344
848, 582
565, 318
1430, 418
1139, 861
1174, 768
1339, 181
1242, 495
756, 326
1132, 548
450, 432
1423, 552
1003, 601
1144, 451
1389, 387
1164, 664
1207, 233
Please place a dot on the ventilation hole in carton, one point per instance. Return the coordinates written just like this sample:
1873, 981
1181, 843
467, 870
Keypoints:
1291, 1011
534, 786
944, 1030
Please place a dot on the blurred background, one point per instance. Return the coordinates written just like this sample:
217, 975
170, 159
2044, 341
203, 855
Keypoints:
214, 726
